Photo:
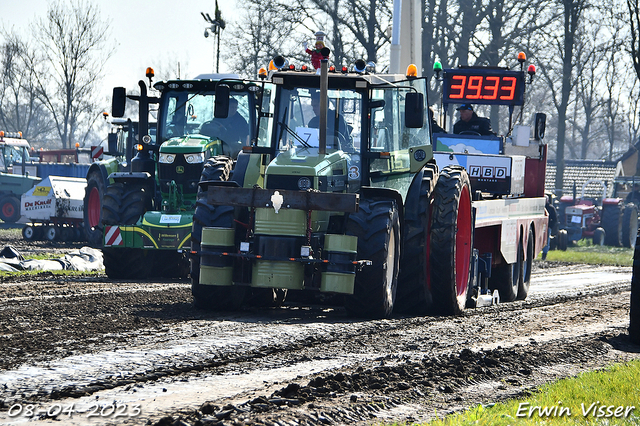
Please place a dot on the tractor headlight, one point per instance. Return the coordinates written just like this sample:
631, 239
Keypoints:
195, 158
166, 158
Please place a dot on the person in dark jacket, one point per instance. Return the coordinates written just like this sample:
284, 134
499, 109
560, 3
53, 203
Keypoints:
435, 127
470, 122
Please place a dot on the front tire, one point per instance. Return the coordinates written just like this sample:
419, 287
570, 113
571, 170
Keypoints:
451, 241
377, 226
413, 295
124, 205
211, 297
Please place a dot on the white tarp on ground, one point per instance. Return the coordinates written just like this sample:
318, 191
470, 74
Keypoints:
84, 259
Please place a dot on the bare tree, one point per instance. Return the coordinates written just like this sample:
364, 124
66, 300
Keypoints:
20, 108
74, 42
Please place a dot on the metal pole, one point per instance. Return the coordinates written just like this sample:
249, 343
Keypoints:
324, 106
218, 52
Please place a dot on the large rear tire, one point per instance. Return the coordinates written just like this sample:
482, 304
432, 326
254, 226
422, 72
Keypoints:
93, 197
629, 225
612, 224
413, 295
377, 226
451, 242
10, 208
211, 297
124, 205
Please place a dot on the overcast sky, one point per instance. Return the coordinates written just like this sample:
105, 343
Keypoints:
155, 34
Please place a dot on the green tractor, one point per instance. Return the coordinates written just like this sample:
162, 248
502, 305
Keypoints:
341, 178
147, 211
120, 142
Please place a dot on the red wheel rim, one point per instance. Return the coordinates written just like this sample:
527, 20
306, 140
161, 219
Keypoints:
94, 207
463, 241
7, 209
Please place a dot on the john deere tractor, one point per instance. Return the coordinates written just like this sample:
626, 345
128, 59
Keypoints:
147, 211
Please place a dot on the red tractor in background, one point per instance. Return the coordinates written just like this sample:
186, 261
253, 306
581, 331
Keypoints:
606, 220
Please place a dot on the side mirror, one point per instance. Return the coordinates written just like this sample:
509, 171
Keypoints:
414, 110
118, 101
112, 144
221, 107
540, 124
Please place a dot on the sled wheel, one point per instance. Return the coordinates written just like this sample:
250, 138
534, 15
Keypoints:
599, 236
377, 226
28, 233
9, 209
527, 264
612, 224
629, 225
506, 277
563, 240
93, 197
451, 241
52, 233
413, 295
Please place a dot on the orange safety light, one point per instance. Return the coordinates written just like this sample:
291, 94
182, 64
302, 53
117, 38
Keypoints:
150, 73
304, 68
1, 133
105, 114
522, 57
412, 70
77, 145
20, 135
262, 73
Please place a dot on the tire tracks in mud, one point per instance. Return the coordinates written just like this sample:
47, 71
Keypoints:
413, 366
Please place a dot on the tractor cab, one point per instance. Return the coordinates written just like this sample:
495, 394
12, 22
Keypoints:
372, 123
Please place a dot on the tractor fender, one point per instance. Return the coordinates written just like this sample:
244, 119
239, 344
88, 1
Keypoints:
125, 177
101, 170
370, 192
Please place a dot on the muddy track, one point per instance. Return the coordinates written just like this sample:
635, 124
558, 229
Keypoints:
85, 341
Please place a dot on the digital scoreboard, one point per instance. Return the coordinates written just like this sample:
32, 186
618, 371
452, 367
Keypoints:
483, 86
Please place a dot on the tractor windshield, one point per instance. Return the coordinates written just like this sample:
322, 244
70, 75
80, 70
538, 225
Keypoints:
187, 113
298, 120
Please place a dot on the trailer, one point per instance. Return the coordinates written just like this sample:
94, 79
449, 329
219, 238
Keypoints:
54, 209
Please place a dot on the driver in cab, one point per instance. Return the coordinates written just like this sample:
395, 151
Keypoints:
470, 123
233, 131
